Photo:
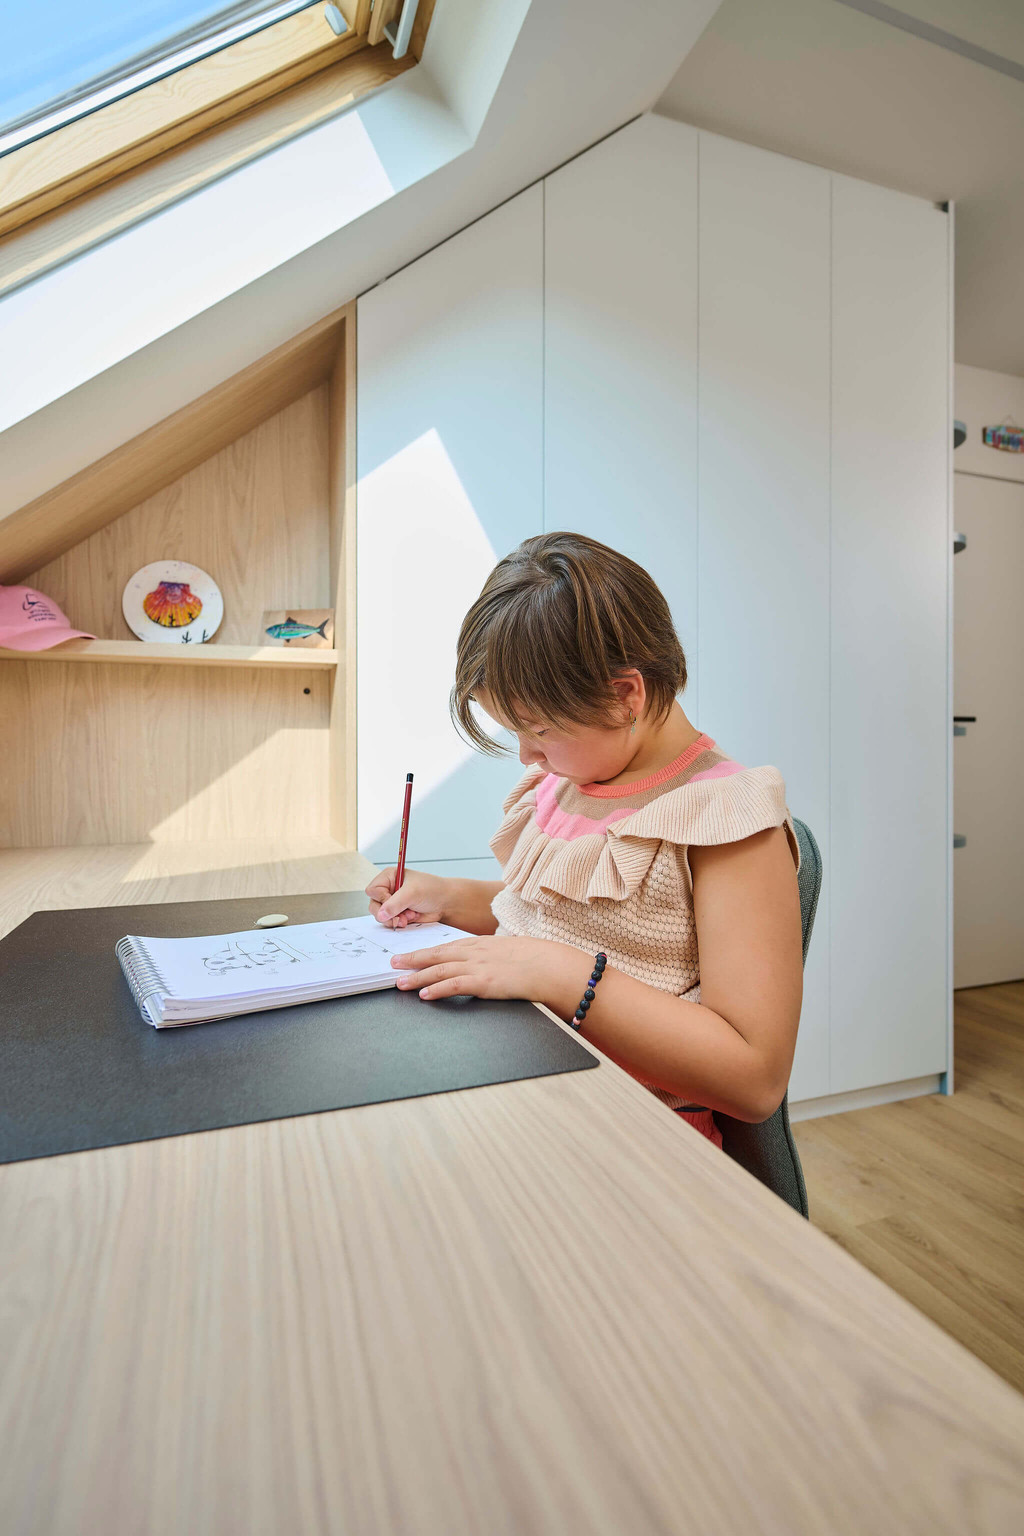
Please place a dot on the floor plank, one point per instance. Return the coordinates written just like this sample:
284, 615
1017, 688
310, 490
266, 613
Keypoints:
929, 1193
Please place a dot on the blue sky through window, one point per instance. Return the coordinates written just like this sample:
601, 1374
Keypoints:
49, 51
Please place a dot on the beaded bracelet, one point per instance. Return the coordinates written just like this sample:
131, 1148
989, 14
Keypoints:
600, 961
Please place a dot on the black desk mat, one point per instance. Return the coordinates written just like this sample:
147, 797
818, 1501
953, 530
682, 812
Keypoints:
80, 1068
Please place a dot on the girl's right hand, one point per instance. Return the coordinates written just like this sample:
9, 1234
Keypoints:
420, 900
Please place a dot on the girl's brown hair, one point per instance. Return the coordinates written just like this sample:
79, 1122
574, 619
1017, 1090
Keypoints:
557, 620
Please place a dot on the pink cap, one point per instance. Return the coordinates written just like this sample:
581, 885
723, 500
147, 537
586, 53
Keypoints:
31, 622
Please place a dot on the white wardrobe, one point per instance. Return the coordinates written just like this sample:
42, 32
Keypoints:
734, 367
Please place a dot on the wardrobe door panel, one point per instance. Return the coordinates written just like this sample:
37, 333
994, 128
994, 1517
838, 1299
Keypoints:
449, 465
763, 565
891, 555
620, 360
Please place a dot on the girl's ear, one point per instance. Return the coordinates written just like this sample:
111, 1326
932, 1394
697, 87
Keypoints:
631, 692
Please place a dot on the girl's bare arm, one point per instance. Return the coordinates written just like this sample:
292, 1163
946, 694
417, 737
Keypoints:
732, 1051
468, 905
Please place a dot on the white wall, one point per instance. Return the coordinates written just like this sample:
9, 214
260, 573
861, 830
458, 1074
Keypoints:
984, 399
693, 330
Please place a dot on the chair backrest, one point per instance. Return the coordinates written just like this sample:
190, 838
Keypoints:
768, 1150
808, 878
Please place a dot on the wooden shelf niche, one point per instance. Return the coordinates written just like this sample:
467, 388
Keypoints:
233, 739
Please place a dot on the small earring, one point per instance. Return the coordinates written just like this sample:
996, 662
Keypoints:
632, 723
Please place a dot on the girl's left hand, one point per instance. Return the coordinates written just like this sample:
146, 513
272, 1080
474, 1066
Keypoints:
539, 970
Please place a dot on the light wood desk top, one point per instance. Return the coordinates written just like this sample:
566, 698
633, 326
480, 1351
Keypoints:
545, 1307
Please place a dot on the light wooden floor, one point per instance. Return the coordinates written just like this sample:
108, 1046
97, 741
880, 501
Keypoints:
929, 1194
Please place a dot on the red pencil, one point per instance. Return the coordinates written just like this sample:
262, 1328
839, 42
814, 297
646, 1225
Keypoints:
404, 837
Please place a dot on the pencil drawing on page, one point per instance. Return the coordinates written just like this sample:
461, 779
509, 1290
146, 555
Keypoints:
271, 955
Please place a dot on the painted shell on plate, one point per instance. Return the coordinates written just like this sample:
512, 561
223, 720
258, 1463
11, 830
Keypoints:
173, 604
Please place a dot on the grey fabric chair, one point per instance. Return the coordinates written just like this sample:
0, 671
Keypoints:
768, 1150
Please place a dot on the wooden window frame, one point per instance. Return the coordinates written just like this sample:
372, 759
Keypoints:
116, 205
79, 157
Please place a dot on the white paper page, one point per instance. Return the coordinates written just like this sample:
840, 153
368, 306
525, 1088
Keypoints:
256, 960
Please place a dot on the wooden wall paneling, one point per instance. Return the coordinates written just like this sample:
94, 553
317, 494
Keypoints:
54, 522
450, 479
891, 557
118, 754
763, 568
342, 537
255, 516
620, 356
111, 754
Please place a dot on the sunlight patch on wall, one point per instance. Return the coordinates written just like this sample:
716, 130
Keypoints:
416, 500
279, 789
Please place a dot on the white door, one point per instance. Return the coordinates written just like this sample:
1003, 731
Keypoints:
988, 681
449, 467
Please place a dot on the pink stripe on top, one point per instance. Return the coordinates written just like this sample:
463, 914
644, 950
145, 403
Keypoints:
722, 770
615, 791
558, 823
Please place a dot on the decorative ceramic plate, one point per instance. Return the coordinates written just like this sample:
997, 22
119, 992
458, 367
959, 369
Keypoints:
173, 603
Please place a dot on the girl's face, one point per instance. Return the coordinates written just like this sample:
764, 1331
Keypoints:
584, 754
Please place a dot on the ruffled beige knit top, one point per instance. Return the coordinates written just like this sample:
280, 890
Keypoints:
606, 866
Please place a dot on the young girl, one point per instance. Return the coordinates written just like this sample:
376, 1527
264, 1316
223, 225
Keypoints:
631, 835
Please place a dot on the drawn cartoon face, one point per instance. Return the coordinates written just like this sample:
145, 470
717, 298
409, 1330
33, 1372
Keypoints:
249, 954
353, 947
266, 953
227, 959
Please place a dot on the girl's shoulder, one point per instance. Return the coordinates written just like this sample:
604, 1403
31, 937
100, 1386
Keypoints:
704, 796
712, 799
585, 841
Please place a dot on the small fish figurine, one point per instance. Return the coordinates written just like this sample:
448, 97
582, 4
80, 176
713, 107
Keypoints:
291, 629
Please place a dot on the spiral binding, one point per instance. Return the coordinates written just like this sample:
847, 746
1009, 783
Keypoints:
140, 972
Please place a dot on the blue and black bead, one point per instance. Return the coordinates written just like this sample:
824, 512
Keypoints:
600, 961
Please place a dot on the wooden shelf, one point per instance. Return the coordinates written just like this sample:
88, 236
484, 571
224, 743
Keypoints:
197, 743
210, 655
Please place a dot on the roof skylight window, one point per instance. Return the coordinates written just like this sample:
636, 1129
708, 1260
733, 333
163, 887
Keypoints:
61, 62
111, 109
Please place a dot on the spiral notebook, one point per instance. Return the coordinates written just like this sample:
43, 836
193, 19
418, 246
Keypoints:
198, 980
